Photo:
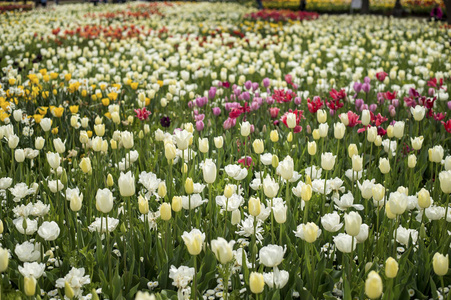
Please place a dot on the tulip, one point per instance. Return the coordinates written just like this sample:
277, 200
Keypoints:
291, 120
424, 198
169, 151
290, 137
46, 124
236, 217
306, 192
388, 211
39, 143
109, 180
222, 250
328, 161
352, 223
258, 146
165, 211
274, 136
378, 141
219, 142
162, 190
384, 165
104, 200
286, 168
311, 148
183, 138
4, 260
321, 116
228, 191
143, 205
440, 263
316, 134
411, 161
418, 112
280, 213
76, 203
54, 160
417, 142
85, 165
270, 187
176, 203
19, 155
245, 129
323, 130
254, 206
203, 145
68, 290
194, 241
99, 129
126, 184
256, 283
339, 130
59, 145
445, 181
398, 203
371, 134
29, 286
309, 232
352, 150
127, 139
189, 186
209, 171
391, 267
373, 285
378, 192
271, 255
357, 163
366, 117
390, 131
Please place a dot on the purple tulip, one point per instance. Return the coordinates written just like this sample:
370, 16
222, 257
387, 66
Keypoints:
431, 92
363, 107
357, 87
380, 98
254, 105
216, 111
395, 102
229, 123
212, 93
367, 80
332, 112
359, 103
266, 82
246, 96
248, 85
393, 112
191, 104
255, 86
297, 100
165, 122
270, 100
449, 105
373, 107
366, 87
200, 125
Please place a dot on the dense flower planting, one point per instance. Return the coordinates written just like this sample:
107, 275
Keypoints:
158, 151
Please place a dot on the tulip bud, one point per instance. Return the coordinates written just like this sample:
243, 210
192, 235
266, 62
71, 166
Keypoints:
228, 191
165, 211
424, 198
352, 150
236, 217
258, 146
219, 142
1, 229
384, 165
64, 177
184, 169
189, 186
19, 155
4, 260
316, 134
411, 161
39, 143
306, 192
176, 203
274, 136
440, 264
352, 223
245, 129
390, 131
203, 145
109, 180
311, 148
371, 134
321, 116
162, 191
254, 206
366, 117
378, 141
143, 205
29, 283
290, 137
275, 161
391, 267
256, 282
169, 151
85, 165
373, 285
339, 130
398, 129
68, 291
388, 211
357, 163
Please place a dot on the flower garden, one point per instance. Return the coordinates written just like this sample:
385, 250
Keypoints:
211, 151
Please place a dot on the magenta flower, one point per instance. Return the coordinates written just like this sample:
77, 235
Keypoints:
142, 114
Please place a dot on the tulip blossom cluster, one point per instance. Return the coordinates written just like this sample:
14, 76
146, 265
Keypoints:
200, 150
